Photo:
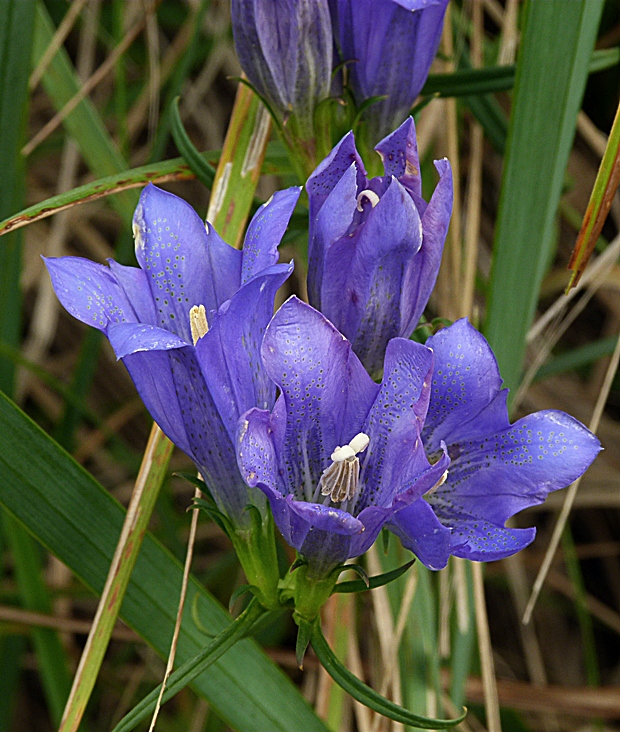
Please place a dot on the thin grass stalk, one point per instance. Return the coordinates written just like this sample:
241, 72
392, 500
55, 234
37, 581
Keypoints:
489, 683
573, 488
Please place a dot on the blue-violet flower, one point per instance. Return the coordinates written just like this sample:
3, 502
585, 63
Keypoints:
188, 325
391, 45
375, 245
430, 451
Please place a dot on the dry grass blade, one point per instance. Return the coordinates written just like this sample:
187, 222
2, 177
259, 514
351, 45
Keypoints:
489, 683
572, 490
61, 34
177, 625
87, 87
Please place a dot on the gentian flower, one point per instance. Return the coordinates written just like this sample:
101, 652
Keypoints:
188, 326
375, 245
285, 49
496, 469
429, 452
391, 45
339, 454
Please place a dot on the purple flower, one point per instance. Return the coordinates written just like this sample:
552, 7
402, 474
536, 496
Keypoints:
430, 451
375, 245
339, 454
496, 469
188, 325
285, 49
391, 45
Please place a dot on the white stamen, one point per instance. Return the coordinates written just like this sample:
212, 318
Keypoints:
198, 322
439, 483
340, 480
370, 196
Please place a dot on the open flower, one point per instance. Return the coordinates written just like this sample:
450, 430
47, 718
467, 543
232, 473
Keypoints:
496, 469
285, 49
188, 325
339, 454
375, 245
390, 45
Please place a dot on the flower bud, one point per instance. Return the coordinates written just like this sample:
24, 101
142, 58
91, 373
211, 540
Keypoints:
285, 50
390, 45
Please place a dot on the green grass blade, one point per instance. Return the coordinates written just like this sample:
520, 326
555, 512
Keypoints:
552, 69
578, 357
81, 527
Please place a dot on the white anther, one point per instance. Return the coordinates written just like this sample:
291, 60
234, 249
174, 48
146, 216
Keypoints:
198, 322
340, 480
439, 483
370, 196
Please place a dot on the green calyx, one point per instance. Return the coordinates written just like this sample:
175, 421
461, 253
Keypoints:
311, 592
256, 549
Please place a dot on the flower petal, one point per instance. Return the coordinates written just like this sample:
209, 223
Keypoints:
324, 179
496, 476
395, 453
135, 284
128, 338
330, 225
421, 532
366, 309
465, 380
326, 391
185, 265
89, 291
260, 248
229, 354
399, 153
423, 269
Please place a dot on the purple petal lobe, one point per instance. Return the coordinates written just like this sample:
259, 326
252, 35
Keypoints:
423, 269
229, 354
326, 518
260, 249
327, 392
127, 338
89, 291
172, 247
465, 380
135, 284
420, 531
496, 476
399, 153
324, 179
395, 453
482, 541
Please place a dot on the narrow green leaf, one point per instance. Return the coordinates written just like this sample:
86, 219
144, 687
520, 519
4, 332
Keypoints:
204, 172
77, 520
577, 357
376, 581
552, 69
367, 696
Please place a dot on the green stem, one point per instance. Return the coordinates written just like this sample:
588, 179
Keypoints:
184, 675
367, 696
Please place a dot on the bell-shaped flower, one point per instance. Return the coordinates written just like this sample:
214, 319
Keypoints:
496, 469
188, 324
339, 454
389, 46
375, 245
285, 49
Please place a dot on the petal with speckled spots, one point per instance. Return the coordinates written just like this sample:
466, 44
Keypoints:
90, 292
230, 355
260, 248
419, 530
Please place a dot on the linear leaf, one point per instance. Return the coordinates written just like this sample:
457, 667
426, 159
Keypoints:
552, 69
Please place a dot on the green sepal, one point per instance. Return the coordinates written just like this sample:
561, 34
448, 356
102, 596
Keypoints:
371, 582
241, 590
196, 161
367, 696
299, 562
256, 549
220, 519
359, 570
385, 540
304, 633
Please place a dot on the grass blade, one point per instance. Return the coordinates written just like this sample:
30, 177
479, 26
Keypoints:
552, 69
80, 526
